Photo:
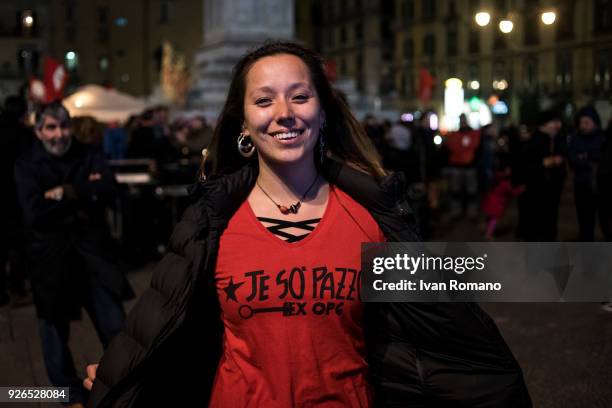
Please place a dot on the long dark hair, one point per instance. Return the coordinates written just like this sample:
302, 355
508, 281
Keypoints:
345, 138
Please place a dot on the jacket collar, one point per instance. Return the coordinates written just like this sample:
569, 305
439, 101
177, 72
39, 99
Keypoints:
220, 198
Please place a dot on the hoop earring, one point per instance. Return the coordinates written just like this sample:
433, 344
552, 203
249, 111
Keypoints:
245, 145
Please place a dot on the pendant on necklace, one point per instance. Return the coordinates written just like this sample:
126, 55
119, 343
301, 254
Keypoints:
293, 208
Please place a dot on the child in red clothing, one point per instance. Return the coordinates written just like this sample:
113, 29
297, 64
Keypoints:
496, 200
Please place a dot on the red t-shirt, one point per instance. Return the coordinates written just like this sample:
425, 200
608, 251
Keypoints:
291, 311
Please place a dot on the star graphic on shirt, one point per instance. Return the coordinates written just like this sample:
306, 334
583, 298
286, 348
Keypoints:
230, 290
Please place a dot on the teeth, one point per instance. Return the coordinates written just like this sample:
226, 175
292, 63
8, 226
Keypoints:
288, 135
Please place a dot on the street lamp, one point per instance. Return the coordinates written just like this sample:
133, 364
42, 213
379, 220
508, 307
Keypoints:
506, 26
549, 17
482, 19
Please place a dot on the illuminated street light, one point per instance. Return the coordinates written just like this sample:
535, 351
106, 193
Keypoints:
549, 17
70, 55
474, 85
506, 26
28, 21
483, 18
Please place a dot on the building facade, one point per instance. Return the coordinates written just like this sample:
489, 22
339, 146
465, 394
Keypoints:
562, 65
111, 42
356, 38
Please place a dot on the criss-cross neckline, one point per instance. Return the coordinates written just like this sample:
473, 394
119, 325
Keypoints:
269, 231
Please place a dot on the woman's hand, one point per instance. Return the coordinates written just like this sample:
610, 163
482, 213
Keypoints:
91, 376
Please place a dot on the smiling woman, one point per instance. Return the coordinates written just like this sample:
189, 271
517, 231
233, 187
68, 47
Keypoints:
257, 302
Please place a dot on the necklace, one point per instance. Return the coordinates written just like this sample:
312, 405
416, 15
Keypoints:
293, 208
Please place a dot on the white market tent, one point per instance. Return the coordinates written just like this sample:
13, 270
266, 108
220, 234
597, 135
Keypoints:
106, 105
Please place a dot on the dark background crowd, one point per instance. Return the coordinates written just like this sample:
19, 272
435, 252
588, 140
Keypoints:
476, 174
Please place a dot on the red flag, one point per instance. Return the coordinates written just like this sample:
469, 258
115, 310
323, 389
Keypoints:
426, 85
55, 79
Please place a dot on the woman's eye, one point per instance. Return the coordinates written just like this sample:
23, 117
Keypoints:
263, 101
300, 98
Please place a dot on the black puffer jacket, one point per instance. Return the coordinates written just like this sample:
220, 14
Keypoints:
439, 354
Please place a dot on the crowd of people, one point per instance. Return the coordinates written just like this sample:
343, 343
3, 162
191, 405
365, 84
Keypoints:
481, 170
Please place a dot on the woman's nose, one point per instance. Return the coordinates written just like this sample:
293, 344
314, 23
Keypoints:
284, 112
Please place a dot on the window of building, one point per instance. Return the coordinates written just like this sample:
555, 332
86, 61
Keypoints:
408, 49
531, 72
102, 14
565, 23
358, 32
564, 70
603, 70
70, 33
121, 21
69, 11
408, 11
603, 15
452, 39
428, 8
429, 45
103, 33
501, 6
499, 40
164, 11
474, 40
70, 20
27, 60
531, 33
343, 37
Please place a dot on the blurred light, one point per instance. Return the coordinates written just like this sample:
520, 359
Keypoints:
453, 83
492, 100
483, 18
407, 117
121, 21
437, 139
474, 103
125, 78
104, 63
506, 26
549, 17
78, 102
454, 97
474, 85
500, 108
70, 55
28, 20
433, 121
500, 85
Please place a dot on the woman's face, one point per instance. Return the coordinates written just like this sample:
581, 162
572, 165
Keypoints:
282, 110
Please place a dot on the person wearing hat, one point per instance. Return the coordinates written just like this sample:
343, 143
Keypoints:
584, 156
543, 162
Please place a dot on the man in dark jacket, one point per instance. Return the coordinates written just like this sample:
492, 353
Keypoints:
63, 187
543, 167
584, 154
